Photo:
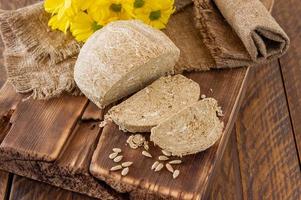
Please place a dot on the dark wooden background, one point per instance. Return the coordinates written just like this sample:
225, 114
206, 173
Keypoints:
262, 159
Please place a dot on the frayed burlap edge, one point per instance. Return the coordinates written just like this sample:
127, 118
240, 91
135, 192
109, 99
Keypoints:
37, 60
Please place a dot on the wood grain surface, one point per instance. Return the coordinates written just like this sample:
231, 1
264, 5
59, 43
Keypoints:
47, 125
267, 153
26, 189
4, 185
288, 14
141, 178
227, 184
70, 168
92, 112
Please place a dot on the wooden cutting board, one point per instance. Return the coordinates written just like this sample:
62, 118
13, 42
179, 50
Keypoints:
54, 142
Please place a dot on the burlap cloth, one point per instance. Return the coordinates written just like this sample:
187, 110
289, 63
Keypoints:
239, 33
37, 60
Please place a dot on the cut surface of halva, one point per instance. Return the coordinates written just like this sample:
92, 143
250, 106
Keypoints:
155, 103
122, 58
192, 130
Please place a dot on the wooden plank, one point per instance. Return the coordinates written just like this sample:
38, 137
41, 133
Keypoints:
267, 153
4, 184
40, 129
9, 101
141, 180
227, 182
77, 155
287, 13
70, 169
92, 112
26, 189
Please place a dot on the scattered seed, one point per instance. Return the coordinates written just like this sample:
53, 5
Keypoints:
159, 167
118, 158
145, 145
113, 155
175, 162
115, 168
135, 141
220, 112
169, 167
125, 171
163, 158
138, 139
117, 150
126, 164
167, 153
175, 174
203, 96
155, 165
103, 124
145, 153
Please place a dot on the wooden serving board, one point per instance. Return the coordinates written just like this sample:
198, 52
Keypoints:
196, 170
54, 141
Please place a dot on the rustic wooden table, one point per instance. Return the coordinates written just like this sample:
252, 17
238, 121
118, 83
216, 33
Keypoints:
262, 157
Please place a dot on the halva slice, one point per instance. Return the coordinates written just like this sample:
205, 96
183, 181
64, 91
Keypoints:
155, 103
192, 130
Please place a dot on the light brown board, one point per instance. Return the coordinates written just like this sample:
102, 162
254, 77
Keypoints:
48, 123
267, 153
70, 168
9, 100
227, 87
26, 189
287, 14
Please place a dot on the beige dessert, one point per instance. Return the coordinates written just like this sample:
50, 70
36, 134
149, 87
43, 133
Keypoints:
192, 130
122, 58
155, 103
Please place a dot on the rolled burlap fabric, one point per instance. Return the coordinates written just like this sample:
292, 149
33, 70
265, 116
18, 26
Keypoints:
239, 32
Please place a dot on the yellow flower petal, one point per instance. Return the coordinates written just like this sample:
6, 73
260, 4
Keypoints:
61, 24
83, 26
110, 10
155, 13
52, 6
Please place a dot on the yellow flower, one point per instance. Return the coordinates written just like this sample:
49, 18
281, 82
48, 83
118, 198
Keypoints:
83, 26
110, 10
154, 12
62, 11
61, 24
